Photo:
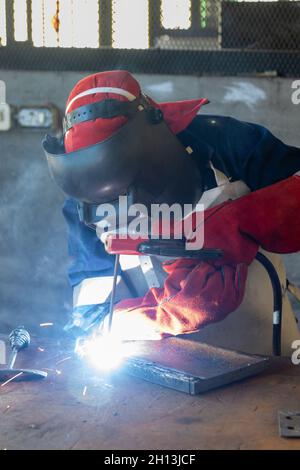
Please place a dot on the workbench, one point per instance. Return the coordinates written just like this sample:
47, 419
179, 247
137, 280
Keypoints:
77, 407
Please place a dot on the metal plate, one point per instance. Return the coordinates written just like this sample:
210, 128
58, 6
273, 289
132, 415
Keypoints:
20, 375
289, 423
192, 367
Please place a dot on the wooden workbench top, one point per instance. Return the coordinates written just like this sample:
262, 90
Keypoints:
78, 408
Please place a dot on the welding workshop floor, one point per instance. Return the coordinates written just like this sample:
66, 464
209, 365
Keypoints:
79, 408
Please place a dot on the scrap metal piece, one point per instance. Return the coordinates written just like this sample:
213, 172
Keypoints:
20, 375
19, 339
192, 367
289, 423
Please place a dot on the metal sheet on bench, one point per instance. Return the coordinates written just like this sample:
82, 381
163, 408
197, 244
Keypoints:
192, 367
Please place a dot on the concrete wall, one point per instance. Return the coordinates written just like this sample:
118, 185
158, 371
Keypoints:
33, 254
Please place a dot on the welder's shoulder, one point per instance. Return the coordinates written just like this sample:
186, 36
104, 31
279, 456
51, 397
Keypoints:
219, 129
225, 138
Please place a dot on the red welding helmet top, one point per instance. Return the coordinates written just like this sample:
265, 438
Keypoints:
120, 85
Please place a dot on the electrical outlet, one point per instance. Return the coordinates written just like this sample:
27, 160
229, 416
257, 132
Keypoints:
37, 117
5, 117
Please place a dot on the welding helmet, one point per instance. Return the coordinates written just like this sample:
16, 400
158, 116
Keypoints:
117, 141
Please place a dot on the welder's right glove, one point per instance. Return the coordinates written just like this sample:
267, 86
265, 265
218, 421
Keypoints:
195, 294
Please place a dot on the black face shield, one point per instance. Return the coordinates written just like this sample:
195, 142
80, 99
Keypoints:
143, 160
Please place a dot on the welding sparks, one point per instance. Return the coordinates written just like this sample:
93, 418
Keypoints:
11, 379
41, 349
104, 352
43, 325
64, 360
57, 371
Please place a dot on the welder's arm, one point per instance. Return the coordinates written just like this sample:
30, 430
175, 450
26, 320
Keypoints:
90, 272
243, 150
260, 158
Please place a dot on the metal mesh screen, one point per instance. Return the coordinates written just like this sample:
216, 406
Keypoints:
152, 36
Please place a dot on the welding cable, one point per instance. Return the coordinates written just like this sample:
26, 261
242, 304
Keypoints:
277, 299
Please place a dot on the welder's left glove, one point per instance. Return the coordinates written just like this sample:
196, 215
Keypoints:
268, 218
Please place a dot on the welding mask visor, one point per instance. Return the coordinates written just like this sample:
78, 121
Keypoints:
143, 160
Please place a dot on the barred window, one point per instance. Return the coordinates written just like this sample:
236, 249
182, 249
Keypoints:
164, 36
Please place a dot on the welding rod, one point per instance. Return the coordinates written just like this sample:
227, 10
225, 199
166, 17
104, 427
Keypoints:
113, 292
12, 359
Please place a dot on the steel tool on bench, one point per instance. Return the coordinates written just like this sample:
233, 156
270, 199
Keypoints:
19, 339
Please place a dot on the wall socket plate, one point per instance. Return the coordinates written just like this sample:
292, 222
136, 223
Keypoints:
5, 117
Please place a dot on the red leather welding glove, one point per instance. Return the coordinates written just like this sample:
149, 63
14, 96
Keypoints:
194, 295
268, 218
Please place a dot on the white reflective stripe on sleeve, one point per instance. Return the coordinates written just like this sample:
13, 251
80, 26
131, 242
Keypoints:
92, 91
96, 290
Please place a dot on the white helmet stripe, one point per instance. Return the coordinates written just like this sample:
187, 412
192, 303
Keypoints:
92, 91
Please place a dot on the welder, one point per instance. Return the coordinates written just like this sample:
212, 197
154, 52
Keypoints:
117, 141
